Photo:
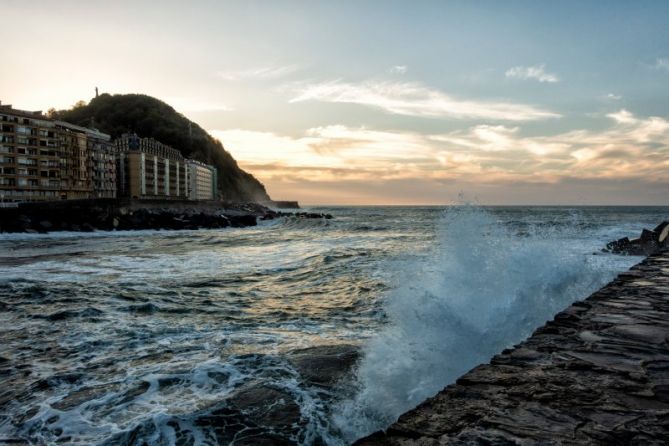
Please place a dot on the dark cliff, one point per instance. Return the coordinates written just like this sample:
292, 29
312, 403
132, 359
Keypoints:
153, 118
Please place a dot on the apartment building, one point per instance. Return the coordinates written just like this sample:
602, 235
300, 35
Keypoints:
150, 169
103, 156
29, 156
91, 159
45, 159
201, 181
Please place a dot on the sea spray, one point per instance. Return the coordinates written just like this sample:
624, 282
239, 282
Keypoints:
484, 287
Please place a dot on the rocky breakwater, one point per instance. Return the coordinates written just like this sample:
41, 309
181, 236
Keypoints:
267, 410
598, 373
647, 243
271, 215
108, 215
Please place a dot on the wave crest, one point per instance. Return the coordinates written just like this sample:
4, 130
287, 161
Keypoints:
481, 289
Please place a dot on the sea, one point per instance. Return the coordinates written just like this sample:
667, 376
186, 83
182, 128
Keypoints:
146, 337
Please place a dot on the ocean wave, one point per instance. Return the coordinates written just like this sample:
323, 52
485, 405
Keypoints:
481, 289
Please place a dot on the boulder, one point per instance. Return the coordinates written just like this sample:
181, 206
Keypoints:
308, 215
648, 242
324, 365
648, 236
20, 224
240, 221
256, 414
619, 246
267, 406
260, 413
640, 247
87, 227
662, 231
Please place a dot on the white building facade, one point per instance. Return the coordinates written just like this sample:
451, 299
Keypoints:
202, 179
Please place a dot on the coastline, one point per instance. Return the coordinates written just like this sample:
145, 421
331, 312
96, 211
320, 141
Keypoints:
129, 214
596, 374
187, 310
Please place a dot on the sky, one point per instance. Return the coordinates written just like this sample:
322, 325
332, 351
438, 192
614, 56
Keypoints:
379, 102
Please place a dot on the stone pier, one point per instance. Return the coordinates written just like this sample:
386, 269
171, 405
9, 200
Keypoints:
598, 373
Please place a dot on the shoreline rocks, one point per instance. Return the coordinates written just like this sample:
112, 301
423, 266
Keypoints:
109, 215
263, 411
646, 244
326, 365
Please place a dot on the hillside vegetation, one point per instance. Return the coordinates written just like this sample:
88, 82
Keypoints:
151, 117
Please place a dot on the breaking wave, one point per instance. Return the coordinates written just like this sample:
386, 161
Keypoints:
482, 288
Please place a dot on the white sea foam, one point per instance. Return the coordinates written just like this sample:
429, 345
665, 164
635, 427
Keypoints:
481, 289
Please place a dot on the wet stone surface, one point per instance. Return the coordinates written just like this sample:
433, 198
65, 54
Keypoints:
598, 373
259, 412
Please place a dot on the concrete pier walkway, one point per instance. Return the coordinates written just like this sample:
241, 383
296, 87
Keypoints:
598, 373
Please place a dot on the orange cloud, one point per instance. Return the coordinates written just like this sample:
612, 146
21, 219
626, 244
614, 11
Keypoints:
632, 148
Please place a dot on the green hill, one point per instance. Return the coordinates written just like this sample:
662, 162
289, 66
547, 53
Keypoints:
150, 117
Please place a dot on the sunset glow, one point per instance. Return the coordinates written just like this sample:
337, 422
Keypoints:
368, 103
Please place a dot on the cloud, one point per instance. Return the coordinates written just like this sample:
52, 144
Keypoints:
662, 63
413, 99
631, 148
259, 73
398, 69
536, 72
328, 147
613, 97
622, 117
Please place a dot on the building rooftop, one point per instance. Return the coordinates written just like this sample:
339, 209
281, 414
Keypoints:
26, 113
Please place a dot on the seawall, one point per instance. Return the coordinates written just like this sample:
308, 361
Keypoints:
126, 214
113, 204
109, 214
598, 373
